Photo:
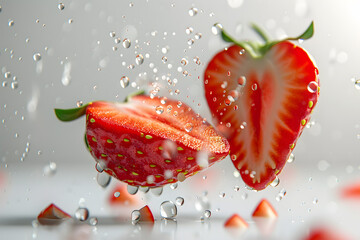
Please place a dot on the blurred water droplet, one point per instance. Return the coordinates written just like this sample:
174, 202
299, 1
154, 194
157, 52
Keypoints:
168, 209
7, 75
0, 8
14, 85
241, 80
184, 61
312, 87
112, 34
82, 214
291, 158
37, 57
103, 179
4, 84
190, 41
126, 43
70, 21
207, 214
281, 195
235, 3
189, 30
254, 87
116, 194
61, 6
50, 169
179, 201
159, 109
188, 127
11, 22
221, 194
216, 28
79, 103
124, 81
93, 221
139, 59
244, 196
132, 189
193, 11
65, 80
315, 201
164, 59
357, 84
236, 188
198, 36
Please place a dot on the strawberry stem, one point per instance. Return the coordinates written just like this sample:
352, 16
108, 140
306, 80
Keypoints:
66, 115
128, 97
258, 50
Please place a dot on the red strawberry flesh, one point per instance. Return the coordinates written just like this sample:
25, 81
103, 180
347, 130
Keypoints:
235, 221
264, 209
264, 115
52, 215
144, 139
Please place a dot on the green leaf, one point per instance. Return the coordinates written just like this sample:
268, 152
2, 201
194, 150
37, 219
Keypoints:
70, 114
309, 32
260, 32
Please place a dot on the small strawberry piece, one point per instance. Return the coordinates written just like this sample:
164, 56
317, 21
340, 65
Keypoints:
148, 142
52, 215
261, 97
123, 198
146, 215
235, 221
351, 191
264, 209
322, 233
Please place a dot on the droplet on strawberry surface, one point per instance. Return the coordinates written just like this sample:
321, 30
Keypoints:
157, 191
103, 179
168, 209
312, 87
275, 182
132, 189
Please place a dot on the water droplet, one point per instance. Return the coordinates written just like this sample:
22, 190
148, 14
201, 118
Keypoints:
126, 43
159, 109
79, 103
315, 201
50, 169
179, 201
236, 188
100, 166
198, 36
197, 60
241, 80
173, 186
190, 41
168, 209
275, 182
193, 11
103, 179
189, 30
112, 34
0, 8
291, 158
254, 87
37, 57
7, 75
216, 28
207, 214
357, 84
280, 195
4, 84
135, 216
139, 59
312, 87
61, 6
221, 194
124, 81
157, 191
93, 221
184, 61
188, 127
70, 21
202, 203
164, 59
244, 196
132, 189
116, 194
82, 214
14, 85
11, 23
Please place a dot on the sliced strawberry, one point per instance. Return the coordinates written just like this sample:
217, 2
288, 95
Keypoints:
146, 215
265, 210
351, 191
261, 99
120, 196
52, 215
148, 142
235, 221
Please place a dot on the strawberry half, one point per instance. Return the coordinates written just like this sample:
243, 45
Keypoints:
148, 142
261, 97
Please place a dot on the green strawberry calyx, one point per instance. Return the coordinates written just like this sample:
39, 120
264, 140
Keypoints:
257, 49
71, 114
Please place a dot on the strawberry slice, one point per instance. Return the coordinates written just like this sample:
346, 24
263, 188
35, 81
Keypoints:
148, 142
265, 210
52, 215
146, 215
235, 221
261, 97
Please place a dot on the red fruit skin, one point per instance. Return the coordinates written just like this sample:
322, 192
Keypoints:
265, 210
235, 221
146, 215
144, 143
52, 215
250, 148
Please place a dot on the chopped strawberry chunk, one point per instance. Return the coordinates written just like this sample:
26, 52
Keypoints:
146, 215
264, 209
235, 221
52, 215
